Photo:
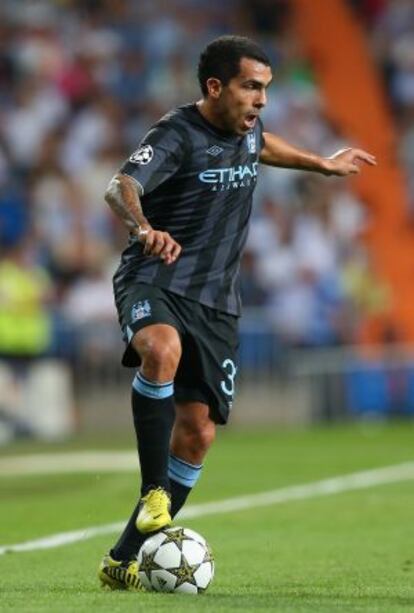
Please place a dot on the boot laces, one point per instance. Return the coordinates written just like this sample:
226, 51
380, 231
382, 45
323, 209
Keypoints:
156, 500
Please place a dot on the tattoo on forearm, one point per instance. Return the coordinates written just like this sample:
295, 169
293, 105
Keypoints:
123, 198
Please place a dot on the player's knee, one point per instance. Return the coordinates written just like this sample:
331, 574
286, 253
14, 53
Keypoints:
207, 435
160, 358
200, 436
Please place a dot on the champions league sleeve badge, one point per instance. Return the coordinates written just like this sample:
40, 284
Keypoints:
143, 155
251, 142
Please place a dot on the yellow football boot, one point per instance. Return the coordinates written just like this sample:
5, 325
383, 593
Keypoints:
154, 511
119, 575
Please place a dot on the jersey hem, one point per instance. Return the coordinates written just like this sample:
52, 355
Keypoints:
235, 313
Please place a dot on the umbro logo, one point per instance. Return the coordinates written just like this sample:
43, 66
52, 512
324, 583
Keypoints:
215, 150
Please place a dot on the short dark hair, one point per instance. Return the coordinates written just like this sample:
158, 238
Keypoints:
221, 59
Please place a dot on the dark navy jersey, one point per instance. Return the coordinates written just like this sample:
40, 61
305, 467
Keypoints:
196, 183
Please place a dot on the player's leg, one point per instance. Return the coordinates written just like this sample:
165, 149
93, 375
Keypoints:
153, 344
204, 389
159, 349
192, 435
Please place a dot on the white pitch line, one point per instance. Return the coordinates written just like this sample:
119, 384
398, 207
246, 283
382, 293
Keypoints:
70, 462
325, 487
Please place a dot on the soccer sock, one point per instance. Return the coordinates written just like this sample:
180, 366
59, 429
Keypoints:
183, 477
154, 413
130, 541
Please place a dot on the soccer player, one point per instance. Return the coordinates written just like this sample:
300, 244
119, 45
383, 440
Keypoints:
185, 195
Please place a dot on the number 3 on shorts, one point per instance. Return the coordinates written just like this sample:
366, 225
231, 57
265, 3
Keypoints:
227, 385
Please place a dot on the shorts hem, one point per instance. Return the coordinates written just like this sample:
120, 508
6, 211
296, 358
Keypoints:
183, 394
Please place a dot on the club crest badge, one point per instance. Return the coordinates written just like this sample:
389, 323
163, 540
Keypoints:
143, 155
140, 310
251, 142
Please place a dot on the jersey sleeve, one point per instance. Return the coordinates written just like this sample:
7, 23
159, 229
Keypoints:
157, 158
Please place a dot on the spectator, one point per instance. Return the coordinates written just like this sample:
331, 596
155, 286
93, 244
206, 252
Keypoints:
25, 289
80, 82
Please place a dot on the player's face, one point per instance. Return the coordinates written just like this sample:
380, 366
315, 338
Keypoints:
242, 99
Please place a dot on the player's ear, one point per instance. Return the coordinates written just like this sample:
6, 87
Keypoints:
214, 87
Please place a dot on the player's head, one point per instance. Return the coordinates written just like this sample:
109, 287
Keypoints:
233, 73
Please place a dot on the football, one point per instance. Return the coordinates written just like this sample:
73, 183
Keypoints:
176, 560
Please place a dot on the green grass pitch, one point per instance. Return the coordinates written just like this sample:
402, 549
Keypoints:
352, 551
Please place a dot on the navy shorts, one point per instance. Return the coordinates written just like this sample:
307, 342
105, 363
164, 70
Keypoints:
209, 338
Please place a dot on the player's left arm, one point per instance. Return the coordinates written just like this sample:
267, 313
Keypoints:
278, 152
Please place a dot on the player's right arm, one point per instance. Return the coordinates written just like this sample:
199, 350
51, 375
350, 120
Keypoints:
157, 159
123, 198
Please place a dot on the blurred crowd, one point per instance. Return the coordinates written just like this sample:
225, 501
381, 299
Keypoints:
390, 28
80, 83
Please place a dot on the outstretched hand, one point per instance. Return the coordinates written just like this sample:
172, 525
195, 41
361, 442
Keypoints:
348, 162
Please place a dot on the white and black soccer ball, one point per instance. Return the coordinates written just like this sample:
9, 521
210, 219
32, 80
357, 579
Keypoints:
176, 560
